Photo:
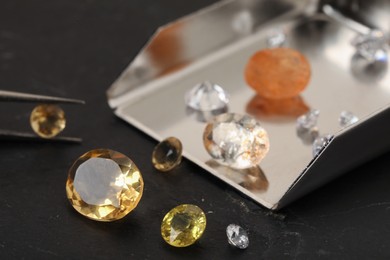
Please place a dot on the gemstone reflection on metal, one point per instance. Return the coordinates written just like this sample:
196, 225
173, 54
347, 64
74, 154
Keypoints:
236, 141
243, 22
207, 96
237, 236
320, 142
347, 118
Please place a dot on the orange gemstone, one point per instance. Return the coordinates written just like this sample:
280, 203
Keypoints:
278, 73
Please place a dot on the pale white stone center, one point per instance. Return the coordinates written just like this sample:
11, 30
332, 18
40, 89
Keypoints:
99, 181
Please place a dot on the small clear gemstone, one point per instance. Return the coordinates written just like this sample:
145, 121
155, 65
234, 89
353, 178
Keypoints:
347, 118
368, 45
237, 141
307, 129
320, 142
167, 154
276, 38
308, 120
237, 236
207, 96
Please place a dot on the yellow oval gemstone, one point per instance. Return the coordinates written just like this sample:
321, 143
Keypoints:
167, 154
47, 120
183, 225
104, 185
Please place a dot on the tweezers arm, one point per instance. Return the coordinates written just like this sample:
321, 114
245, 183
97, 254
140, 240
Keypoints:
22, 136
25, 97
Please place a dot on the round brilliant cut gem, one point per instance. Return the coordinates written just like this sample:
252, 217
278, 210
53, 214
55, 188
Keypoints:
308, 120
320, 142
183, 225
167, 154
347, 118
104, 185
207, 96
368, 45
276, 38
47, 121
237, 141
237, 236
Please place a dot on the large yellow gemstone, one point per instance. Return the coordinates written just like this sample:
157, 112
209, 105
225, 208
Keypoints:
183, 225
47, 120
104, 185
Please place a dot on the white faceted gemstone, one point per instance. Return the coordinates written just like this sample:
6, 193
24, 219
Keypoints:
308, 120
237, 236
372, 45
207, 96
347, 118
237, 141
276, 38
320, 142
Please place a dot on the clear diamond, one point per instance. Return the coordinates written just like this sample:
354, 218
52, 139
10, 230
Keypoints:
368, 45
347, 118
308, 120
237, 236
320, 142
236, 141
207, 96
307, 129
276, 38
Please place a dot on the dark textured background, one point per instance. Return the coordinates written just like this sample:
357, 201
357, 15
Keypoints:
77, 49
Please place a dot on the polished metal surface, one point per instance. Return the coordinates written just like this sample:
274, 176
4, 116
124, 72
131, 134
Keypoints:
153, 98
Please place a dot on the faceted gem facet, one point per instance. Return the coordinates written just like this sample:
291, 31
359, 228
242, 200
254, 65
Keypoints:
236, 141
347, 118
278, 73
167, 154
183, 225
320, 142
207, 96
104, 185
47, 121
237, 236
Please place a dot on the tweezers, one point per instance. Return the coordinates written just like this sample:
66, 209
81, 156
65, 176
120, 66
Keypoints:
11, 96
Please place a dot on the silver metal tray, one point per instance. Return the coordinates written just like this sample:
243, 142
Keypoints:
215, 44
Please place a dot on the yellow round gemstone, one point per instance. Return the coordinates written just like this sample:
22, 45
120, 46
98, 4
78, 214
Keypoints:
47, 120
104, 185
183, 225
167, 154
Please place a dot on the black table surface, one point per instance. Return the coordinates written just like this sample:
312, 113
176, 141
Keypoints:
77, 49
